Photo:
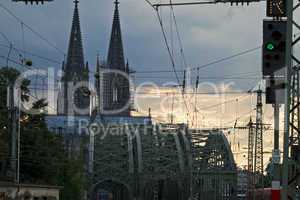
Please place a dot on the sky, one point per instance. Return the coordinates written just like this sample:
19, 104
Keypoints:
207, 32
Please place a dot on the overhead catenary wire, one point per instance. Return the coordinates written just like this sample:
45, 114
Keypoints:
225, 102
20, 64
23, 38
194, 93
205, 78
167, 45
20, 51
179, 37
10, 48
170, 53
192, 3
160, 93
136, 72
175, 69
31, 29
11, 13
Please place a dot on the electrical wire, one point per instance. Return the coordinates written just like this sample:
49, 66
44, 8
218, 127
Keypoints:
225, 102
31, 54
204, 78
167, 46
31, 29
170, 55
178, 36
25, 66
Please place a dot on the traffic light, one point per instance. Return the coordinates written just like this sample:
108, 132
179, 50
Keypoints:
274, 40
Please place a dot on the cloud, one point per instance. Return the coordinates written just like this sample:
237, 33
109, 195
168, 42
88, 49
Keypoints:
208, 33
222, 110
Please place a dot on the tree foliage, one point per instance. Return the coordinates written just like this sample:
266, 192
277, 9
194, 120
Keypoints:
44, 158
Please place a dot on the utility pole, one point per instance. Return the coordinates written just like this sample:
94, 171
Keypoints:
258, 153
12, 130
295, 108
250, 187
195, 120
294, 137
255, 143
287, 109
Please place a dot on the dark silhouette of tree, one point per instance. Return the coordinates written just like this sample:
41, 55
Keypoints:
43, 157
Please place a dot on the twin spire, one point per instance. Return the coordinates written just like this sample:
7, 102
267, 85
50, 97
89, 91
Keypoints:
75, 69
115, 59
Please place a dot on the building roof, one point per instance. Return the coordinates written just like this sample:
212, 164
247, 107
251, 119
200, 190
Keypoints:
123, 119
12, 184
75, 124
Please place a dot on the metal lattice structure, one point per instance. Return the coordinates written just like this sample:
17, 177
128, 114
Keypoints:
295, 109
162, 162
214, 174
291, 154
294, 170
251, 181
258, 152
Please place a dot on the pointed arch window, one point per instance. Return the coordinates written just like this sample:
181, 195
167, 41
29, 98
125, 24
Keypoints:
115, 94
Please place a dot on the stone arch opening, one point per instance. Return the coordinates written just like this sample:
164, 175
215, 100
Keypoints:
162, 190
111, 190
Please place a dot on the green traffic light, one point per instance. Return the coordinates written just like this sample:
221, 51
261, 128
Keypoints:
270, 46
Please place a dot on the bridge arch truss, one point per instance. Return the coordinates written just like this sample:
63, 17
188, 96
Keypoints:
163, 162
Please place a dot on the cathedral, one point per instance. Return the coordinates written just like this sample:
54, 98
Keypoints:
111, 77
75, 110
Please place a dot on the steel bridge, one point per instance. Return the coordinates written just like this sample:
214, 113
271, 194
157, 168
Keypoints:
162, 162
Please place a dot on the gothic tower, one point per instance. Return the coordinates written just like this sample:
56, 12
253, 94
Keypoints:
74, 95
116, 93
119, 96
115, 59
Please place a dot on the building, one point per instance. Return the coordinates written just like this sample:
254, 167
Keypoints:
112, 78
74, 130
10, 190
73, 97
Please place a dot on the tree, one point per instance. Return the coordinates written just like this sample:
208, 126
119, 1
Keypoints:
7, 77
42, 153
43, 158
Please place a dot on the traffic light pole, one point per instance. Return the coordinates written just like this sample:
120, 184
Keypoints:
289, 35
276, 151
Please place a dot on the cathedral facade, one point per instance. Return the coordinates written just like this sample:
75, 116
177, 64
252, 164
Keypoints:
111, 77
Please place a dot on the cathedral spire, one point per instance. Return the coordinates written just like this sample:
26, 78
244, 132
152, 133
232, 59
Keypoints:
115, 58
75, 59
74, 71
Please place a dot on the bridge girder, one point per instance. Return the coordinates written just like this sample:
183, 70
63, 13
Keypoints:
154, 161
